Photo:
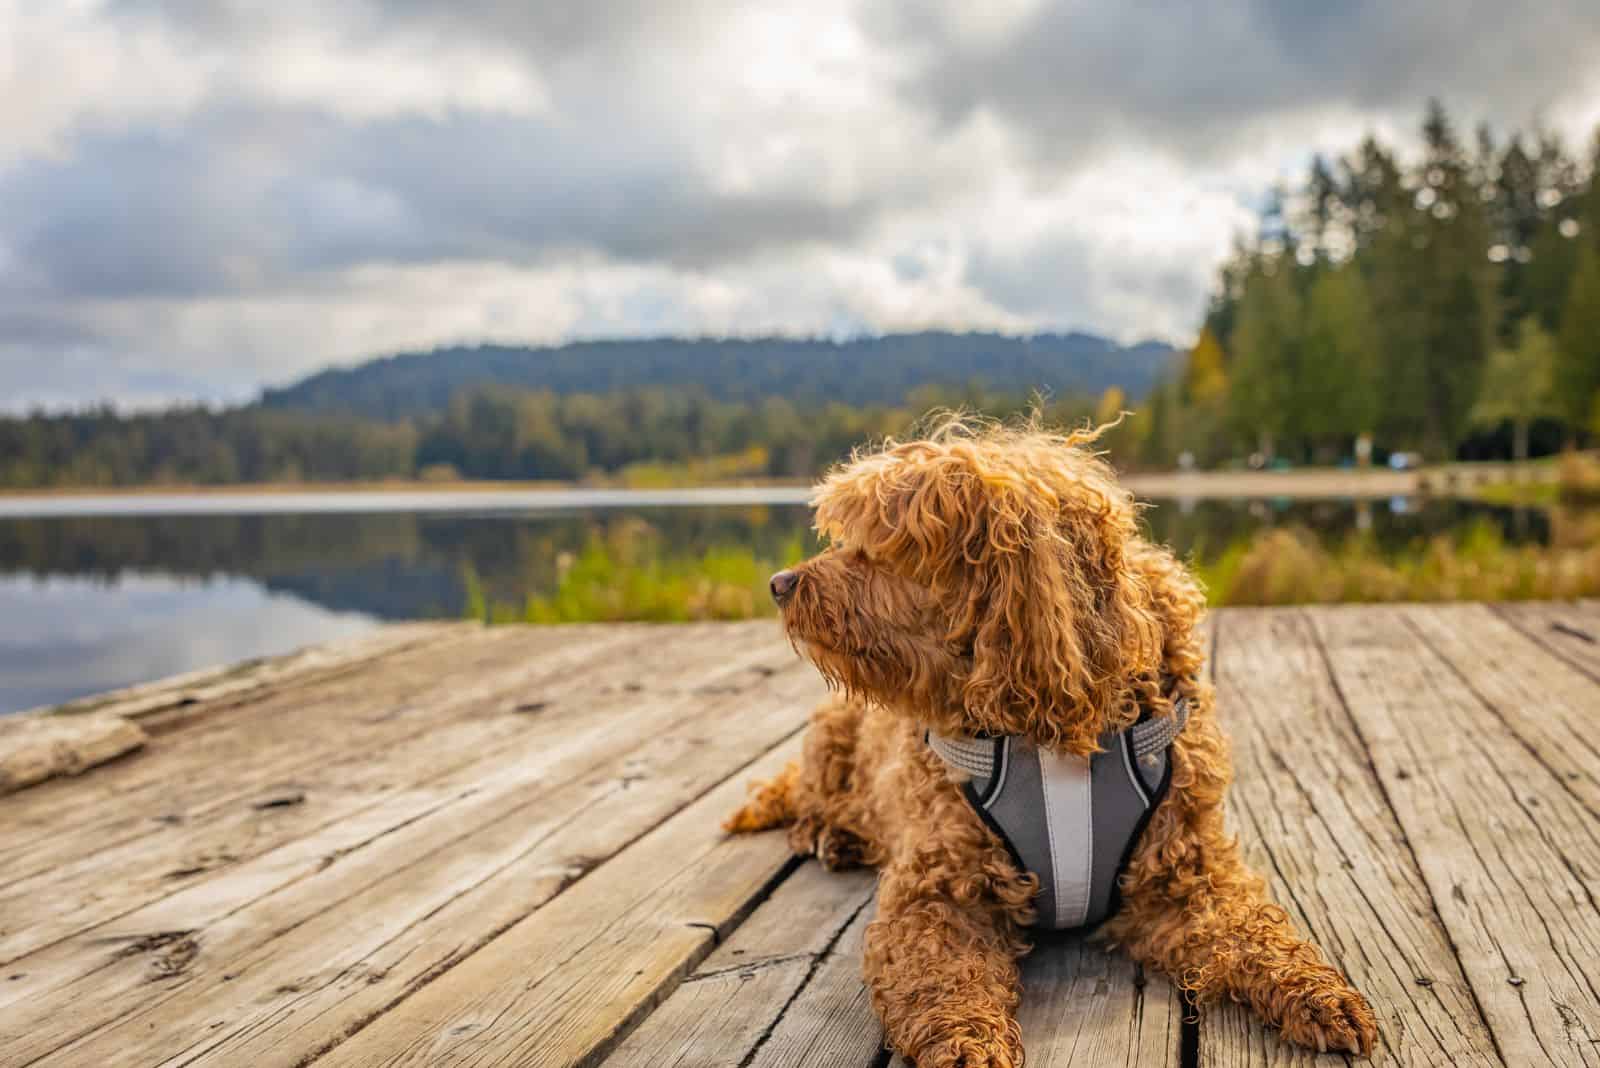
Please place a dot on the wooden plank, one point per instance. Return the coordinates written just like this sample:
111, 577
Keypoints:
299, 969
736, 1006
547, 750
1082, 1005
344, 771
36, 748
235, 680
246, 736
1313, 817
439, 702
1539, 695
594, 960
830, 1020
1570, 629
1510, 856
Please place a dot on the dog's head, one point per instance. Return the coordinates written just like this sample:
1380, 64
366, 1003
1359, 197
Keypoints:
976, 580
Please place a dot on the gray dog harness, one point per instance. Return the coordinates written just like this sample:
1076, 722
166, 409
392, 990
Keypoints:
1071, 820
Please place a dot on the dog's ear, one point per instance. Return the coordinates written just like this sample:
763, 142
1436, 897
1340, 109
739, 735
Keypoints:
1024, 548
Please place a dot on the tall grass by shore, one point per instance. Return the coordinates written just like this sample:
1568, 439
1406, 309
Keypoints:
625, 572
1290, 566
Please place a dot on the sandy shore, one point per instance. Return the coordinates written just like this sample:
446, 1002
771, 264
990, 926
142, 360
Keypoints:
1305, 483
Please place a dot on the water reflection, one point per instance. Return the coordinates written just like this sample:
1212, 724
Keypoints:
66, 636
91, 603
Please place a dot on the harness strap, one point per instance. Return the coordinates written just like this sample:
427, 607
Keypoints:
1071, 821
975, 756
1158, 732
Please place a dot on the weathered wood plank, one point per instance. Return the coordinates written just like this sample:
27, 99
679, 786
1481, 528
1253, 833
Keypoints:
462, 883
1541, 697
36, 748
594, 960
426, 709
435, 810
732, 1009
336, 768
1313, 817
235, 680
247, 736
1510, 856
301, 967
1570, 629
1082, 1005
830, 1020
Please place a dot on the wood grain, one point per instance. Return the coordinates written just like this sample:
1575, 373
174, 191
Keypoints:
1569, 629
459, 845
330, 948
1546, 701
326, 773
596, 959
1313, 818
231, 680
729, 1011
1509, 854
36, 748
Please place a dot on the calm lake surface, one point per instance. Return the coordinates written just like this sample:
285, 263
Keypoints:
91, 600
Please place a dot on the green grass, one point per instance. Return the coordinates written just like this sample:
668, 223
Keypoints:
1289, 566
626, 573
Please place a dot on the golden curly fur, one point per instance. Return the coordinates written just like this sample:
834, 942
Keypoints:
992, 580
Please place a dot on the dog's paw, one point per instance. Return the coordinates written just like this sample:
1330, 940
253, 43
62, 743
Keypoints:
1330, 1017
1001, 1049
839, 850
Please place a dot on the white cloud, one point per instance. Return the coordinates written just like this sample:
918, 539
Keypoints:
200, 196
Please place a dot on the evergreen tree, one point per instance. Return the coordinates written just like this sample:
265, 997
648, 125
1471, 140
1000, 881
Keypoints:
1577, 372
1457, 285
1266, 355
1339, 391
1519, 385
1515, 228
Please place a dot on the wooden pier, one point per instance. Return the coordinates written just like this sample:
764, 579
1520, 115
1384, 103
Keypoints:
455, 845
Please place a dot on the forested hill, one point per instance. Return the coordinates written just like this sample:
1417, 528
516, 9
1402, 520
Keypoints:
879, 370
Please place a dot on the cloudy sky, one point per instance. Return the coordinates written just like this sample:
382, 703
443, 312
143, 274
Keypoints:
200, 196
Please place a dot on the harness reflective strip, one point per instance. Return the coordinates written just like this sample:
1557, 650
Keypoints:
1069, 823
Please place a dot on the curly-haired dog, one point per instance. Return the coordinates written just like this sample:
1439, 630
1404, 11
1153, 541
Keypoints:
988, 612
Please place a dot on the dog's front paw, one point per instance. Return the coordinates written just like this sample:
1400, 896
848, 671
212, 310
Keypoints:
973, 1049
1330, 1016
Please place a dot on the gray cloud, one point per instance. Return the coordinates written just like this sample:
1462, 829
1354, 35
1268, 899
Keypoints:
403, 172
1200, 78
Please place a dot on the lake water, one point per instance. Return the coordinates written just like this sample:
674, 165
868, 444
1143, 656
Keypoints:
91, 599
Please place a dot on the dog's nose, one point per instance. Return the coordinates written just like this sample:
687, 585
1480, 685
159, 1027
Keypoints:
782, 585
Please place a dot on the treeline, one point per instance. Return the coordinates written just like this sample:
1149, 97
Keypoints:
1448, 305
483, 433
101, 447
809, 372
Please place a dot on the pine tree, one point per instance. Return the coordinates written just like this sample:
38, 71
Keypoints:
1577, 371
1458, 285
1519, 385
1338, 385
1266, 355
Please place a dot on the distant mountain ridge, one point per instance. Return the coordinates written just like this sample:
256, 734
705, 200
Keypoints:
872, 370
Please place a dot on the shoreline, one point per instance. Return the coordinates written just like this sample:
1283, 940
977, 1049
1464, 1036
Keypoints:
1454, 480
